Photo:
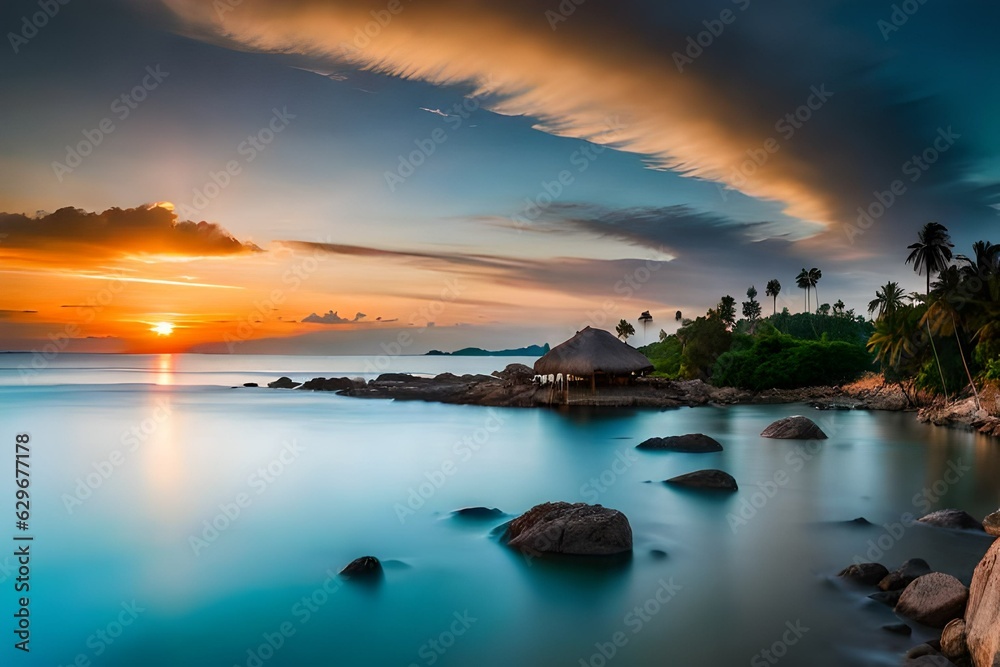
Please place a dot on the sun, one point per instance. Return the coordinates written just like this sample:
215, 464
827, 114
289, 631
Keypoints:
162, 328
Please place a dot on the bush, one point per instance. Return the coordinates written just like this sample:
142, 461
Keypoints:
665, 355
778, 361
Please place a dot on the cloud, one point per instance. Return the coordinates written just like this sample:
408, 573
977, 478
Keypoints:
75, 234
332, 317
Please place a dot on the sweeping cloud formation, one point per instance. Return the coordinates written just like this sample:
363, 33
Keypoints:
764, 100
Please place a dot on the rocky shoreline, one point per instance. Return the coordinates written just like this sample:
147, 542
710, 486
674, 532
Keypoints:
515, 387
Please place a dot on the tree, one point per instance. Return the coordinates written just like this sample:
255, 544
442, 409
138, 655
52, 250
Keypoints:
814, 276
838, 308
624, 330
678, 317
727, 311
645, 318
888, 300
802, 282
824, 310
773, 290
751, 308
943, 317
932, 252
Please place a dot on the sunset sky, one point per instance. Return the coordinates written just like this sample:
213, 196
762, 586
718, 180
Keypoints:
320, 176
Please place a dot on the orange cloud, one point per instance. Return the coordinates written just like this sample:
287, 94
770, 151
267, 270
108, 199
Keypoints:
74, 237
625, 94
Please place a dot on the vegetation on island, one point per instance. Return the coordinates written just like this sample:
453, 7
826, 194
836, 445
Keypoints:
945, 341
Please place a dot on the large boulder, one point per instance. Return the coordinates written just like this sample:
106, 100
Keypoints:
706, 479
694, 443
905, 575
991, 524
796, 427
953, 519
933, 599
516, 374
982, 618
283, 382
327, 384
564, 528
864, 573
953, 643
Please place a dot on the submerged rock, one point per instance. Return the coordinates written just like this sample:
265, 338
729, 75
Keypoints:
694, 443
283, 383
564, 528
796, 427
366, 567
982, 619
865, 573
933, 599
478, 513
324, 384
904, 576
898, 629
250, 384
953, 519
706, 479
889, 598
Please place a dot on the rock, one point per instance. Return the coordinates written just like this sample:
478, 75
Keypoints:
516, 374
902, 577
479, 513
898, 629
982, 618
933, 599
694, 443
953, 640
921, 651
865, 573
797, 427
658, 554
954, 519
324, 384
717, 480
564, 528
932, 660
890, 598
991, 524
250, 384
859, 521
399, 377
283, 383
366, 568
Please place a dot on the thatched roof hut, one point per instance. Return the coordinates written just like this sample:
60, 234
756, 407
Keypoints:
591, 353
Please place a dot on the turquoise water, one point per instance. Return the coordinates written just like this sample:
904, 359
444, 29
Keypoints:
134, 458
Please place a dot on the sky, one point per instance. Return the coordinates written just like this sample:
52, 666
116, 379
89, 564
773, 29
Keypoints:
340, 177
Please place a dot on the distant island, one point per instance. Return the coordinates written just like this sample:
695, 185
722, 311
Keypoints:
530, 351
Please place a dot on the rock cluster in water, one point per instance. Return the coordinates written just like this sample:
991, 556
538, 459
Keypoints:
693, 443
576, 529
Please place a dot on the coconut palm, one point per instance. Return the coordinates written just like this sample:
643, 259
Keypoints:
802, 282
814, 276
838, 308
678, 317
773, 290
888, 300
943, 316
624, 330
932, 252
645, 318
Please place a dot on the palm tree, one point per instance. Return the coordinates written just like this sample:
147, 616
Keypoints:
838, 308
773, 290
932, 252
942, 316
678, 317
888, 300
802, 282
814, 276
624, 330
645, 318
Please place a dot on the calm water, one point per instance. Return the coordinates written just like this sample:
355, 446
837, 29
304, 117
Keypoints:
131, 456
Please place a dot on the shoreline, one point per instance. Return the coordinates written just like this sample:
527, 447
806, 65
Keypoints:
515, 387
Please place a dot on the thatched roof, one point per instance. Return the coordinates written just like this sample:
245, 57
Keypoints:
593, 351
